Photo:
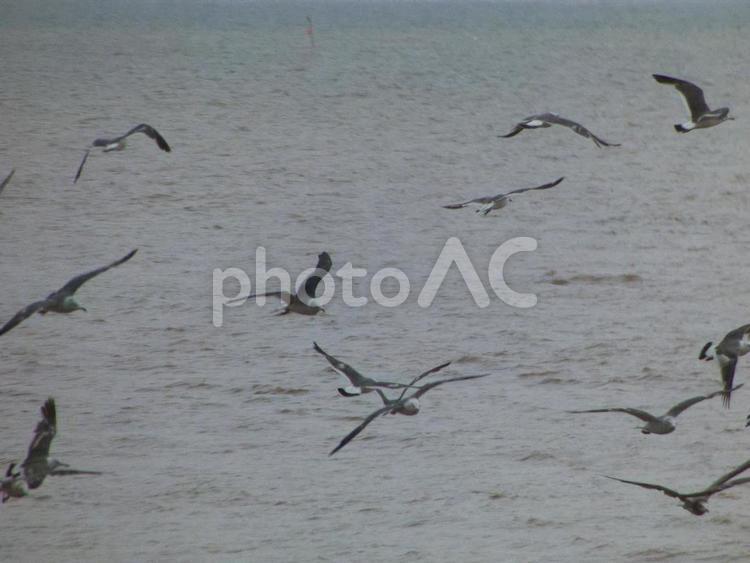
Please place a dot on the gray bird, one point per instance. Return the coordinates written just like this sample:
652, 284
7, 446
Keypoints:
303, 302
700, 114
118, 143
664, 424
408, 406
7, 179
37, 464
735, 344
62, 300
361, 384
544, 120
499, 201
695, 503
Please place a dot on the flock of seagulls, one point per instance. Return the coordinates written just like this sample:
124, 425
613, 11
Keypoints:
37, 464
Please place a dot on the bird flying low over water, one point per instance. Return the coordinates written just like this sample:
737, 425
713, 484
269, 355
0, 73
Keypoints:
499, 201
118, 143
664, 424
303, 302
695, 503
12, 485
408, 406
543, 120
7, 179
62, 300
735, 344
700, 114
37, 464
361, 384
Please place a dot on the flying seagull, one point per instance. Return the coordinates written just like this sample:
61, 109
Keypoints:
403, 405
37, 466
735, 344
7, 179
543, 120
695, 502
62, 300
118, 143
499, 201
12, 485
700, 114
361, 384
664, 424
302, 302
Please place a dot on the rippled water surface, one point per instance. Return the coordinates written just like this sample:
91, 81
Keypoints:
214, 441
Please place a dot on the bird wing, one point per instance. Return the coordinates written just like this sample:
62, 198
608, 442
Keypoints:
679, 407
485, 199
667, 491
356, 378
542, 187
72, 286
151, 132
35, 464
727, 366
692, 94
733, 473
349, 437
422, 376
321, 269
578, 128
643, 415
22, 315
283, 295
80, 166
715, 489
422, 390
7, 179
516, 130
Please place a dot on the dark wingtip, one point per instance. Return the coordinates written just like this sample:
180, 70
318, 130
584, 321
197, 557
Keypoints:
317, 348
702, 355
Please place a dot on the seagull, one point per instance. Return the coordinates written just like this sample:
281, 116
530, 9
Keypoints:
37, 466
7, 179
543, 120
735, 344
361, 384
12, 485
695, 502
118, 143
664, 424
700, 114
303, 303
62, 300
499, 201
408, 406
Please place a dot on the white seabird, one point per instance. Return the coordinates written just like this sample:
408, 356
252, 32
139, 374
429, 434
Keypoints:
543, 120
118, 143
735, 344
488, 203
664, 424
62, 300
700, 114
408, 406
